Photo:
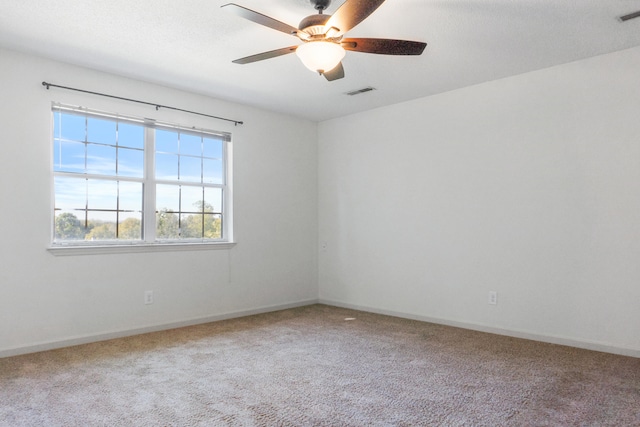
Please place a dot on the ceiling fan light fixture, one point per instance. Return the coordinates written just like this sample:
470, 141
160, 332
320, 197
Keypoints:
323, 43
320, 56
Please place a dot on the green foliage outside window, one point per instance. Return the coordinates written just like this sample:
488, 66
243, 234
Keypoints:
207, 225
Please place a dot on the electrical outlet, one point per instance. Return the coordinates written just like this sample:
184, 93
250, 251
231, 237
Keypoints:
148, 297
493, 297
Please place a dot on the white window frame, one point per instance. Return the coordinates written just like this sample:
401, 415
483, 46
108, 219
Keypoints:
148, 243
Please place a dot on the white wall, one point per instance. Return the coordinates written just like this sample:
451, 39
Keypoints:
529, 186
526, 185
48, 300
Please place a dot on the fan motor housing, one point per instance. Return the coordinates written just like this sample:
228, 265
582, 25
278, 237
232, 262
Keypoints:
312, 23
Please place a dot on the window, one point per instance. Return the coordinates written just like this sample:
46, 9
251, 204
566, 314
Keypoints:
120, 180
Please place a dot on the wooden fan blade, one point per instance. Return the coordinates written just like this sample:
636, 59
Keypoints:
384, 46
266, 55
335, 74
261, 19
351, 13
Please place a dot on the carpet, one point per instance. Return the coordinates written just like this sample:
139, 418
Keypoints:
319, 366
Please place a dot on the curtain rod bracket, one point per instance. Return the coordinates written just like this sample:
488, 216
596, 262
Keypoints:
158, 106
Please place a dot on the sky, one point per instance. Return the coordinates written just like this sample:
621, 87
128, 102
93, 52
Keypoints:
102, 147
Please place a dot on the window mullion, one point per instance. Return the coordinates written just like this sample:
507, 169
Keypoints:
149, 195
98, 176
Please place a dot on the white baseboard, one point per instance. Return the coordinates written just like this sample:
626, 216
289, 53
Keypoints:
587, 345
86, 339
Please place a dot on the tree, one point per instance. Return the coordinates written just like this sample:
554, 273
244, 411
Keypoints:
69, 227
130, 228
206, 225
102, 231
167, 225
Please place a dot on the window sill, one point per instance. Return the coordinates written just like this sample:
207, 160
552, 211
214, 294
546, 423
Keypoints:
61, 250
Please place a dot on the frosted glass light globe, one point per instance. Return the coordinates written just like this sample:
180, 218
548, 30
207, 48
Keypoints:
320, 56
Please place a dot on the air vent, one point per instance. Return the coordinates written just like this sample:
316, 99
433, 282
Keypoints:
359, 91
630, 16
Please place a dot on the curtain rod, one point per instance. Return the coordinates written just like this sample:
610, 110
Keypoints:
158, 106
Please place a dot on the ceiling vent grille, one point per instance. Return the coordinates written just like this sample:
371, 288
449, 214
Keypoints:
359, 91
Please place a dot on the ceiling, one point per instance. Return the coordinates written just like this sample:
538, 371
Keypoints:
189, 45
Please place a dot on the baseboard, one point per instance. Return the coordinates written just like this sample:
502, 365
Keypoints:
86, 339
587, 345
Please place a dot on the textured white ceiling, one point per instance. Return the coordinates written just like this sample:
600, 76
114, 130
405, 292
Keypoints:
189, 44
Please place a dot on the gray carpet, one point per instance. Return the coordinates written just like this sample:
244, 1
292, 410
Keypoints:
311, 367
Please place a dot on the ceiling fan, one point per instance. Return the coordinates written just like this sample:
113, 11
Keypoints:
323, 39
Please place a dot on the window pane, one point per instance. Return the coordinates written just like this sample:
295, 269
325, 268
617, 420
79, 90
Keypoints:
103, 226
102, 194
101, 159
213, 200
68, 156
212, 148
100, 172
130, 228
167, 225
130, 135
166, 166
130, 162
68, 226
190, 145
130, 196
191, 226
101, 131
190, 169
72, 127
212, 226
213, 171
191, 199
71, 193
168, 198
166, 141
